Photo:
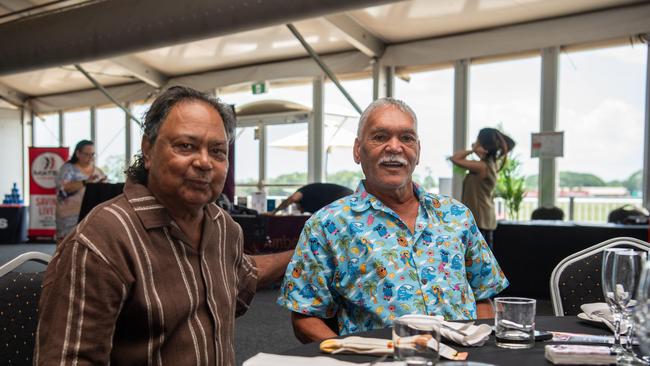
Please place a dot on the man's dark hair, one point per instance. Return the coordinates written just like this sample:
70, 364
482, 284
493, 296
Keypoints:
159, 111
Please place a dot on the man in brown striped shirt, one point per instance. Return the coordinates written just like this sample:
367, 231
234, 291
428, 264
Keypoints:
157, 275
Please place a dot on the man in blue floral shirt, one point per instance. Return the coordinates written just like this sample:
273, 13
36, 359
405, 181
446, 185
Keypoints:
390, 248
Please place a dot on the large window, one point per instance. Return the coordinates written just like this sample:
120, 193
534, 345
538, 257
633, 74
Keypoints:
601, 111
286, 144
506, 95
138, 111
46, 130
341, 120
77, 127
431, 95
110, 144
286, 157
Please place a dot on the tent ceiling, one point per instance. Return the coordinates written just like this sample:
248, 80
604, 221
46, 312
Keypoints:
394, 23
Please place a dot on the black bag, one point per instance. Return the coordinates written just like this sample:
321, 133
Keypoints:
628, 215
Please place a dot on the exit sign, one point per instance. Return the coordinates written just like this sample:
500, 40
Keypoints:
259, 88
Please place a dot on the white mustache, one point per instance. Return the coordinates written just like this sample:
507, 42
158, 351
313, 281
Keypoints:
392, 159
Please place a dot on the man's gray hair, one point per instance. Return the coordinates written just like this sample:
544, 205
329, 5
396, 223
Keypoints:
384, 102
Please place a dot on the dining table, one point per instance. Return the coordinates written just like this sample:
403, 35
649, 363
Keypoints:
489, 352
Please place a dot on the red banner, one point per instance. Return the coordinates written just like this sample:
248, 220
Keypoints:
44, 165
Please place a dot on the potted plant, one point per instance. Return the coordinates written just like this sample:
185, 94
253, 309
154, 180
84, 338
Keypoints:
510, 187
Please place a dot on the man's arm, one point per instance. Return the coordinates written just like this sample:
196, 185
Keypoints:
484, 309
271, 267
78, 309
310, 328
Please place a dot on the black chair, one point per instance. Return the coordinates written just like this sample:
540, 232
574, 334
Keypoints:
576, 280
97, 193
19, 295
547, 213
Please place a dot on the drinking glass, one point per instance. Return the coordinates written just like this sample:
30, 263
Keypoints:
642, 313
625, 277
514, 322
416, 339
608, 293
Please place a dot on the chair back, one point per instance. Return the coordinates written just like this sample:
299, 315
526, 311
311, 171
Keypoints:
547, 213
19, 295
576, 280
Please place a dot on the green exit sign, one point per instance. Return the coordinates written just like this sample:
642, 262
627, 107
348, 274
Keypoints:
259, 88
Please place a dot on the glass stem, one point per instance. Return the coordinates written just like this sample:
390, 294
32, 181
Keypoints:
617, 329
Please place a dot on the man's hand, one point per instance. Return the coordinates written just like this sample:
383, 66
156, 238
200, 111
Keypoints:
310, 328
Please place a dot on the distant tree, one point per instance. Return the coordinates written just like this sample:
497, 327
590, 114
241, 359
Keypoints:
346, 178
633, 182
570, 179
113, 167
574, 179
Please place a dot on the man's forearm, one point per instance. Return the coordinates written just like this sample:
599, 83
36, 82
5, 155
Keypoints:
310, 329
484, 309
271, 267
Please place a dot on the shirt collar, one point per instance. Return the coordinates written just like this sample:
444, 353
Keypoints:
152, 213
362, 200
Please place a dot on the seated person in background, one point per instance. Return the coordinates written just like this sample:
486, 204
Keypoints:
314, 196
389, 249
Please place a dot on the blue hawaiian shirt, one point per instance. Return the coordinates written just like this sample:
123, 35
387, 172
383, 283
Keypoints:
357, 260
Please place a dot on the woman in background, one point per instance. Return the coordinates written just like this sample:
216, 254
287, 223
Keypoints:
492, 147
71, 185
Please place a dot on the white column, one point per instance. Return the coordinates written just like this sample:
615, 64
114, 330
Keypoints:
461, 100
61, 128
127, 137
316, 155
646, 145
93, 124
261, 136
383, 81
548, 123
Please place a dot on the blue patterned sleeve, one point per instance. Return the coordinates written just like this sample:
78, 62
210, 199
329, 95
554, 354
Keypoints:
483, 272
305, 288
66, 174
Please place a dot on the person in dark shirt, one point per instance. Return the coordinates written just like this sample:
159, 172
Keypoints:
314, 196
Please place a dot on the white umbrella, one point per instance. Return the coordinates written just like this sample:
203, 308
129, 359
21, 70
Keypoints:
334, 138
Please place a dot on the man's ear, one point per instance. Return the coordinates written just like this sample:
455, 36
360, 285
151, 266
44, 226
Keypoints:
419, 151
145, 147
356, 151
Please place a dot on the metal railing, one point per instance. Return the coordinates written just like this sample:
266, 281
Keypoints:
581, 209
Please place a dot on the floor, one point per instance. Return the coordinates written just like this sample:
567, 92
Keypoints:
266, 327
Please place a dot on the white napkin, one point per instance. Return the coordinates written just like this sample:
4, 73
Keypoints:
600, 312
267, 359
466, 334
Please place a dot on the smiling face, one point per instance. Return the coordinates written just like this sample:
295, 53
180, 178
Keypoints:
188, 162
388, 149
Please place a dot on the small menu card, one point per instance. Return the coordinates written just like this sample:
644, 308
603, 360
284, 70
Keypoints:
572, 354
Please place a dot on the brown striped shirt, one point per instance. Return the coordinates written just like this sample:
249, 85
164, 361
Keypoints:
126, 289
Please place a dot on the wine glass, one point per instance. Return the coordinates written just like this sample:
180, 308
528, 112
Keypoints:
642, 313
608, 293
625, 277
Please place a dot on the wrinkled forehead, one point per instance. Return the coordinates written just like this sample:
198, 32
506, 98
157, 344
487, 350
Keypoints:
389, 116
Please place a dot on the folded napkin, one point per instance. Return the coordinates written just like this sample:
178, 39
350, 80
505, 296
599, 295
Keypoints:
378, 346
267, 359
600, 312
465, 334
354, 344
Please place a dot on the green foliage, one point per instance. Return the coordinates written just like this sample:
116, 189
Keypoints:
510, 186
573, 179
114, 168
